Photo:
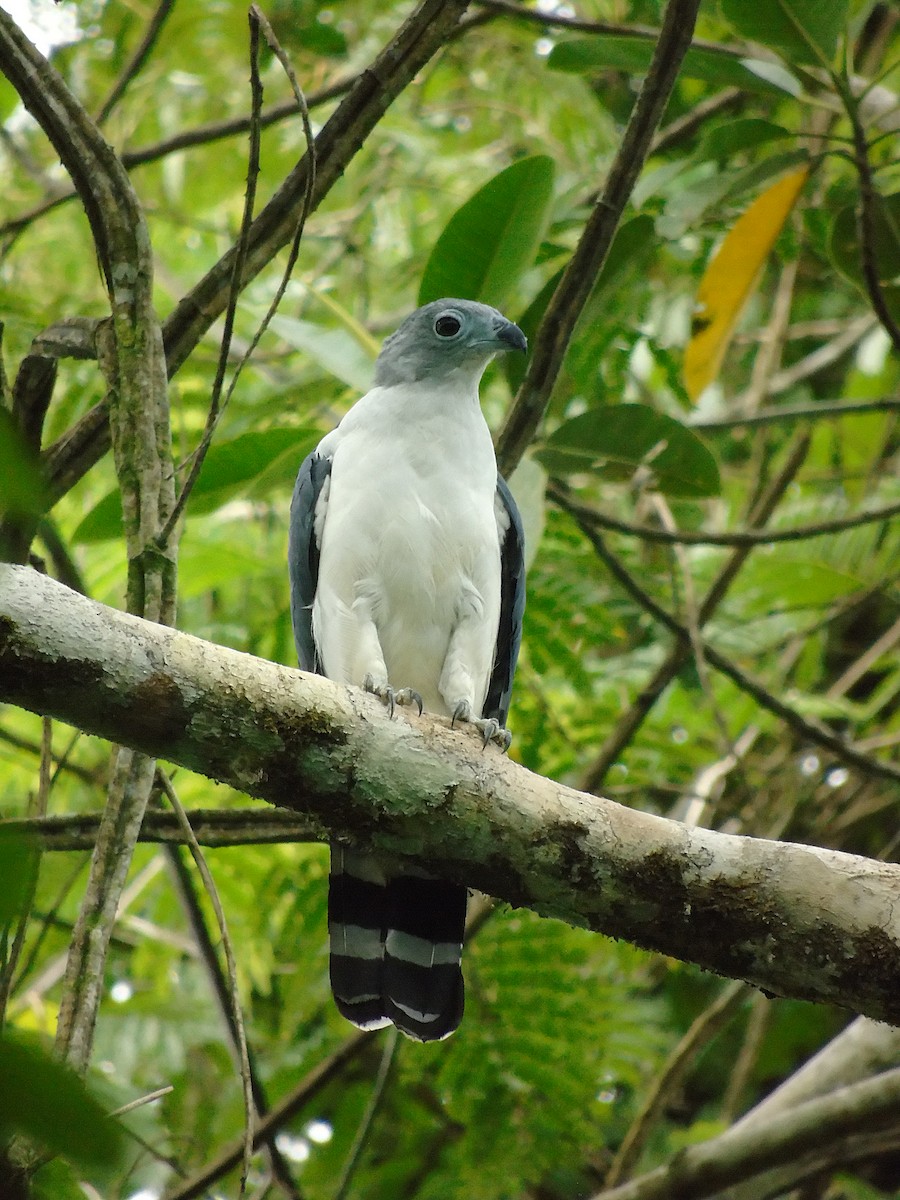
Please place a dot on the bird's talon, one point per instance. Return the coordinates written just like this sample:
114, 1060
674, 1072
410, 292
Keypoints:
489, 727
409, 696
391, 697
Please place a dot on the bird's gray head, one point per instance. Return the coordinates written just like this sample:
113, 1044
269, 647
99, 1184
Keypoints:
446, 336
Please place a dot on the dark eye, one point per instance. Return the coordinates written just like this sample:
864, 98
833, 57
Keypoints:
447, 326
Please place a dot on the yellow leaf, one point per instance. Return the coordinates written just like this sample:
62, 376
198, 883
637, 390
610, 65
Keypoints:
730, 277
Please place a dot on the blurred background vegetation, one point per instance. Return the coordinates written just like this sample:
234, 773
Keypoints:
478, 181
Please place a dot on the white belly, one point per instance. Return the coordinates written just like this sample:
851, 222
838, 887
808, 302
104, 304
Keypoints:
408, 552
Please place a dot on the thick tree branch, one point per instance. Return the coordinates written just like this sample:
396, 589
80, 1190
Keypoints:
817, 1135
130, 352
793, 920
371, 93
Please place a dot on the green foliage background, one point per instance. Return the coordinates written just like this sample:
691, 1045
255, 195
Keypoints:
511, 129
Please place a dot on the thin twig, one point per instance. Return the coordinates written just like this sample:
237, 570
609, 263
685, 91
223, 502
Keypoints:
822, 410
135, 64
692, 620
319, 1077
868, 199
37, 809
703, 1029
757, 1024
21, 743
559, 20
231, 965
212, 827
565, 307
362, 1134
806, 730
631, 720
150, 1098
860, 666
740, 537
223, 989
234, 289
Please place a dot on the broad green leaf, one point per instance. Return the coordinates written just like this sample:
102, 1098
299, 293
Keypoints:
803, 580
634, 55
632, 242
323, 39
722, 141
44, 1100
21, 487
730, 277
708, 187
846, 251
255, 461
9, 99
489, 242
17, 858
528, 484
775, 73
629, 436
337, 350
804, 31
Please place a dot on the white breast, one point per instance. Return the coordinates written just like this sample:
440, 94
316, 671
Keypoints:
409, 538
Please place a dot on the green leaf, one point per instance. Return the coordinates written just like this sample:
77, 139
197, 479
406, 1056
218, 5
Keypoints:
623, 435
846, 252
256, 461
804, 31
489, 242
44, 1100
634, 55
21, 486
337, 350
17, 861
323, 39
632, 242
722, 141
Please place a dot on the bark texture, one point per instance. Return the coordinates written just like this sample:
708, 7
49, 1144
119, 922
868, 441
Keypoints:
793, 920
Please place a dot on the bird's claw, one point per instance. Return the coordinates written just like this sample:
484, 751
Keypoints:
489, 727
392, 697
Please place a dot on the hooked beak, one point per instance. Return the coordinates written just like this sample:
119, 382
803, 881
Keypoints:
510, 336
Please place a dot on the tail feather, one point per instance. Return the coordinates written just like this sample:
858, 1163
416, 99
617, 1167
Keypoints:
396, 944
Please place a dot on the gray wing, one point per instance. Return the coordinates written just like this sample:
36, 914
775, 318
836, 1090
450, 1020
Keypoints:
512, 606
303, 554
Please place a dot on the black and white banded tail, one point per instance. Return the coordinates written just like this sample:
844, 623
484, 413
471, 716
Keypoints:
396, 944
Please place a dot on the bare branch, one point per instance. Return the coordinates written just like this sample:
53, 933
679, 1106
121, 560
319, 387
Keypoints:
130, 352
740, 537
212, 827
703, 1029
806, 730
680, 652
823, 410
135, 64
370, 95
573, 292
826, 1130
553, 20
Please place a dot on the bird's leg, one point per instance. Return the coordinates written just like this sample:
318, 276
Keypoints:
471, 642
393, 696
489, 727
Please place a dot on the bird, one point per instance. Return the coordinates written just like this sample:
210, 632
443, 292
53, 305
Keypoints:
407, 578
